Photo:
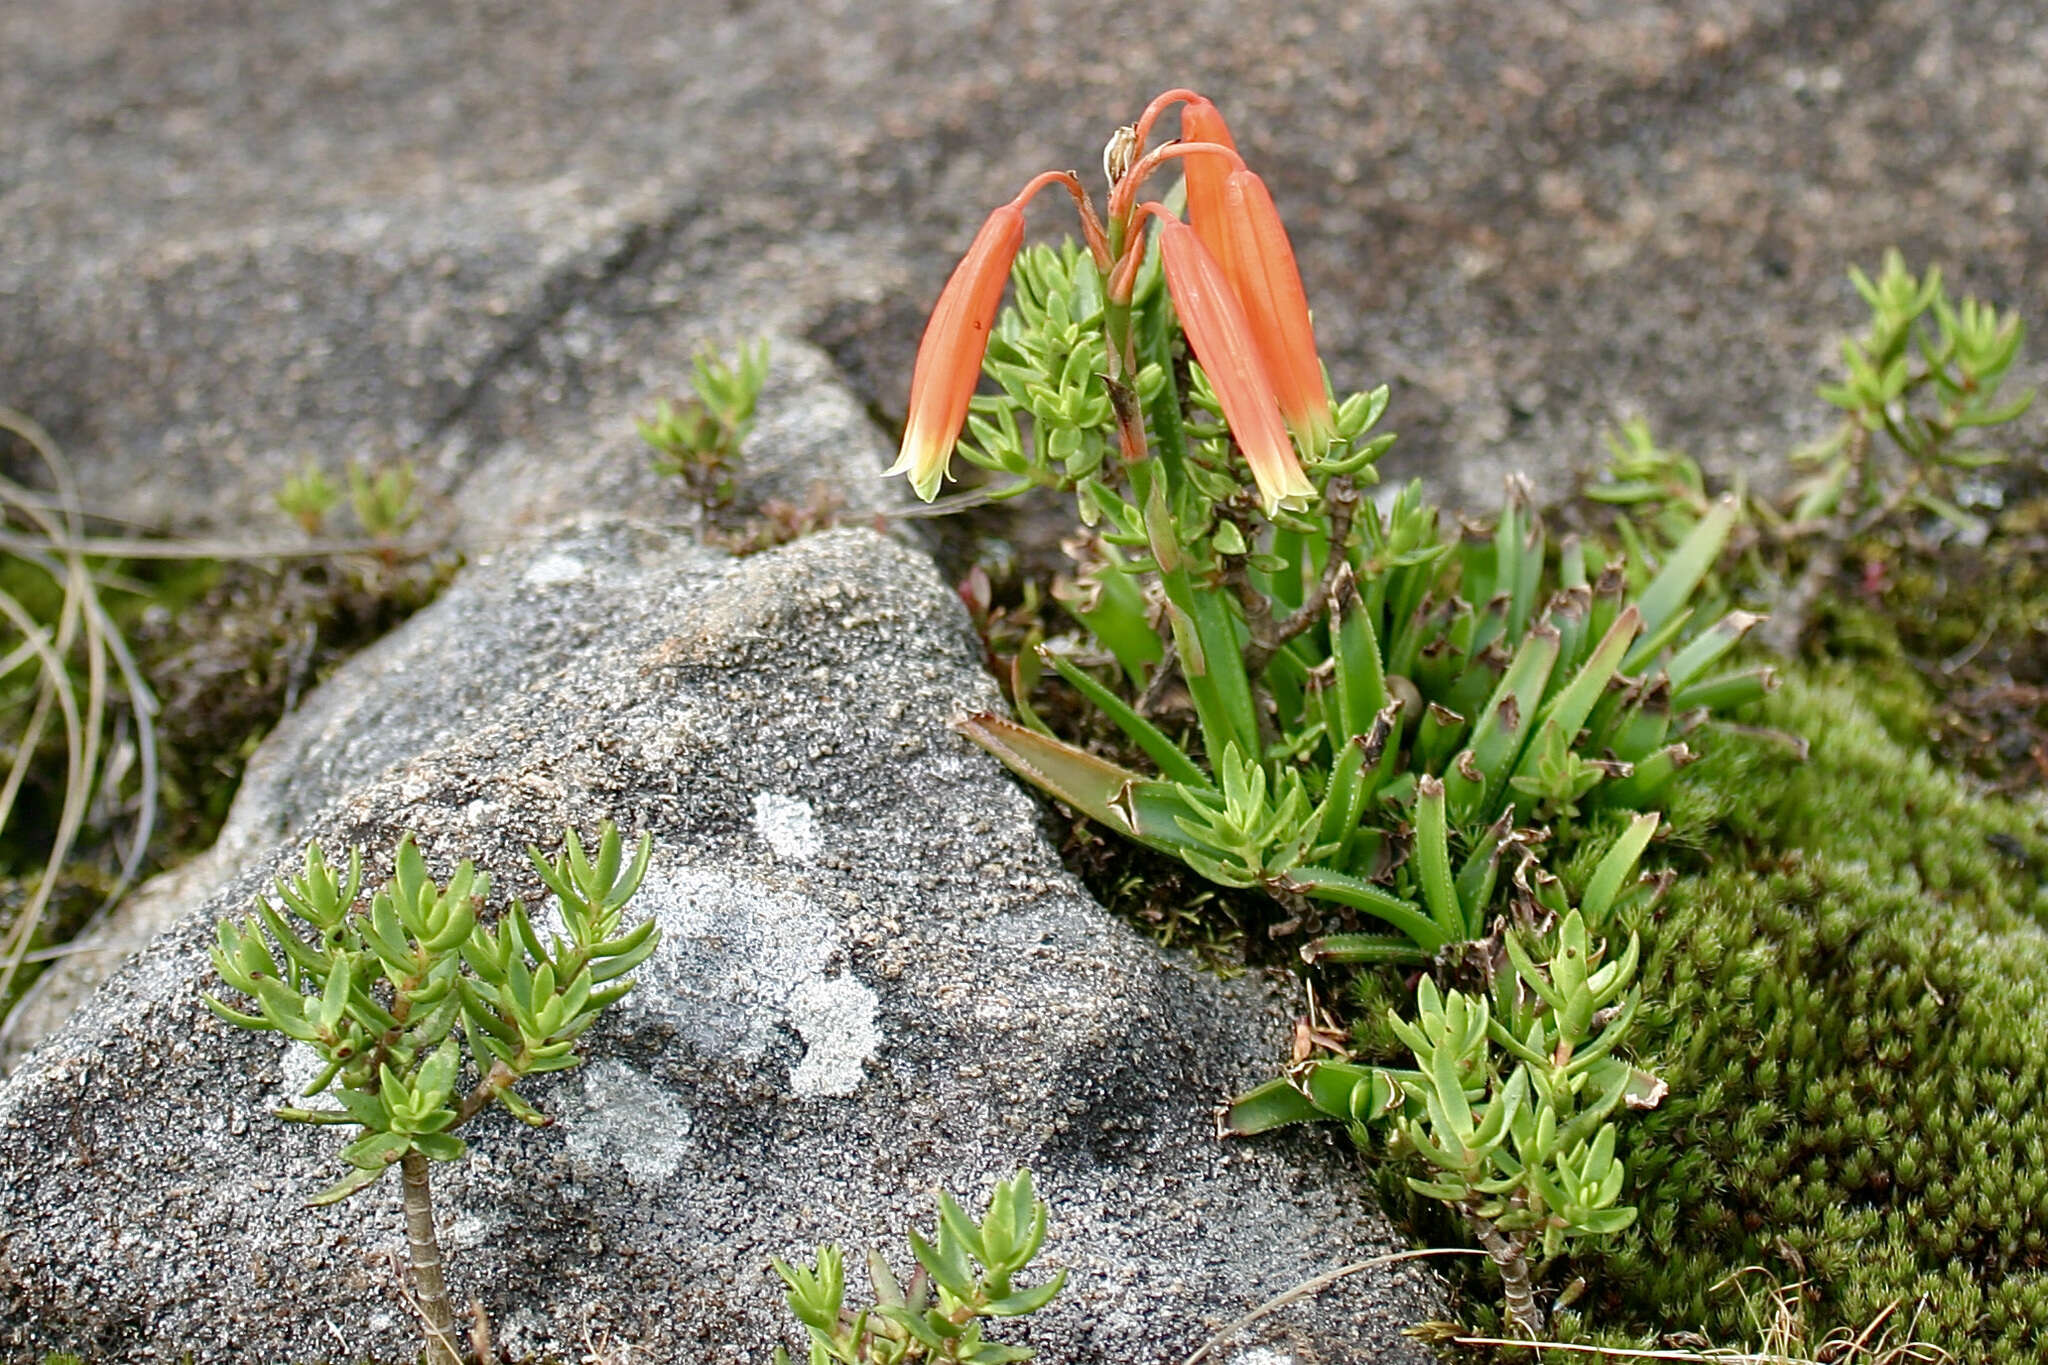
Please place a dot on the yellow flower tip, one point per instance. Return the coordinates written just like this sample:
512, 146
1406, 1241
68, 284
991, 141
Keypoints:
1258, 260
949, 357
1221, 336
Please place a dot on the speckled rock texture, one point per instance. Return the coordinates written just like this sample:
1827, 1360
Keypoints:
875, 980
239, 234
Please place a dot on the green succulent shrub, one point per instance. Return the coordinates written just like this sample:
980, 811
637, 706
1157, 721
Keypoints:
698, 438
965, 1274
422, 1015
1840, 989
1438, 748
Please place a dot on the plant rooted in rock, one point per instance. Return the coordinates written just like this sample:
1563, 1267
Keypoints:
308, 497
1318, 680
1387, 727
1920, 391
387, 993
699, 438
965, 1273
386, 501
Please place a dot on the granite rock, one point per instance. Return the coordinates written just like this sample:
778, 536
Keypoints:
241, 235
875, 980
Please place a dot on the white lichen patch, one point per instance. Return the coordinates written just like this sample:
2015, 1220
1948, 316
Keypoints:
1262, 1355
554, 568
836, 1020
744, 961
630, 1121
788, 824
472, 1228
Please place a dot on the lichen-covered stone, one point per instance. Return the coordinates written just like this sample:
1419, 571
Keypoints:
875, 980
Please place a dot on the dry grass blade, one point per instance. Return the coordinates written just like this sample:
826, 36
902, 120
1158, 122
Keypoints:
1777, 1315
126, 547
83, 637
1917, 1351
1316, 1286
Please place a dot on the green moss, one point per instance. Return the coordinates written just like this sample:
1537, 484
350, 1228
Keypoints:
1848, 993
1959, 637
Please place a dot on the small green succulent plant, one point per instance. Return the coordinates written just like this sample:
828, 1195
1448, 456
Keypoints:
421, 1015
965, 1274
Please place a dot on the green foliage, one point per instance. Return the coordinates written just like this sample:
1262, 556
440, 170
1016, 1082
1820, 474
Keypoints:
1378, 688
964, 1273
1426, 736
1923, 387
1924, 377
1387, 726
386, 502
698, 438
387, 993
307, 497
1838, 993
1508, 1104
1379, 718
1047, 355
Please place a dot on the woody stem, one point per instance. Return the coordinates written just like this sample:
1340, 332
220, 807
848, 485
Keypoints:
1269, 635
425, 1246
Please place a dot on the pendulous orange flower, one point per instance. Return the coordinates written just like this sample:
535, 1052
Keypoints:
955, 340
1200, 121
1258, 260
1222, 338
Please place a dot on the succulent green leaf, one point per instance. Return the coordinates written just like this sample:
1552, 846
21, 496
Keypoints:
236, 1018
1604, 888
1328, 884
376, 1150
440, 1146
1433, 863
954, 1221
1147, 811
1174, 764
1263, 1108
1026, 1300
1668, 593
1364, 948
358, 1179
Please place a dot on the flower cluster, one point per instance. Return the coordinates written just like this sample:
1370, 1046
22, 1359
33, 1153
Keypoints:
1230, 272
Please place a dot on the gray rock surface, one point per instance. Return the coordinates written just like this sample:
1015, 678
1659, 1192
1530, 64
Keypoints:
242, 234
876, 979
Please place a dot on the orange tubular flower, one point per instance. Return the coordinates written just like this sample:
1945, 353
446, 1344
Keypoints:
1200, 122
949, 358
1222, 339
1258, 261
